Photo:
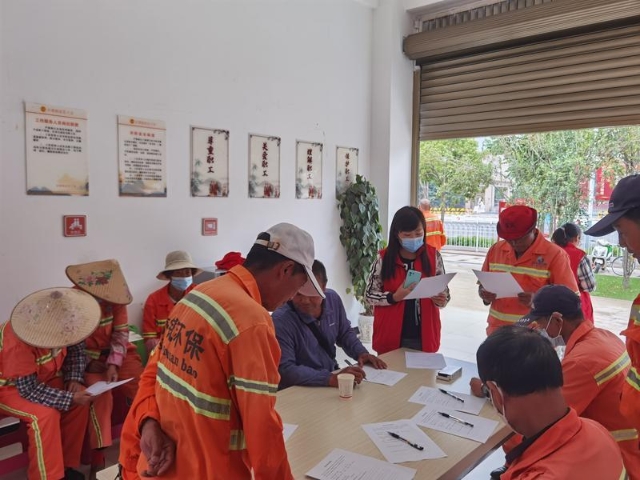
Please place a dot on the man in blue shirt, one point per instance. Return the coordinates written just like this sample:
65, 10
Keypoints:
308, 329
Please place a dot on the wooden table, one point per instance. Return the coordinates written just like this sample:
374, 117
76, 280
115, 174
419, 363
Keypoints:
326, 422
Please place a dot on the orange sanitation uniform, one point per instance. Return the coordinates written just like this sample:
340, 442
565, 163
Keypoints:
109, 344
630, 404
572, 448
214, 388
55, 436
594, 367
155, 314
435, 231
543, 263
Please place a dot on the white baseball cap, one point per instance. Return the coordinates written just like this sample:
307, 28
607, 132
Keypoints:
297, 245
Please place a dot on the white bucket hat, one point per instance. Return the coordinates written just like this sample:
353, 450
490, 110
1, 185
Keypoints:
55, 317
297, 245
177, 261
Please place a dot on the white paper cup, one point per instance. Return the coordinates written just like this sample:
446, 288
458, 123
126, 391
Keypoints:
345, 384
431, 376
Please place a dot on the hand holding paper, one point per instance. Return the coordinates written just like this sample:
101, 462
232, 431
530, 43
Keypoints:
101, 387
430, 286
501, 283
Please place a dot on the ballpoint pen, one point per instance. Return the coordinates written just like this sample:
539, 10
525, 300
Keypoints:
459, 420
451, 395
414, 445
348, 363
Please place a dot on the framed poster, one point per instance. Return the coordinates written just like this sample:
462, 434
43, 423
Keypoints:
209, 162
264, 166
141, 157
56, 150
308, 170
346, 168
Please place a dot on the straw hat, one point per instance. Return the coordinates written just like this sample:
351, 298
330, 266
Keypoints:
103, 279
55, 317
177, 261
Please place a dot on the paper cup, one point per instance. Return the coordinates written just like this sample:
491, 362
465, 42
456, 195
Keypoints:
430, 380
345, 385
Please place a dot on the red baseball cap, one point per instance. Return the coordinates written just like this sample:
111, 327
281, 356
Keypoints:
516, 221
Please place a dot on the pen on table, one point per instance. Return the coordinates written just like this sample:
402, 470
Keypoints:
414, 445
459, 420
451, 395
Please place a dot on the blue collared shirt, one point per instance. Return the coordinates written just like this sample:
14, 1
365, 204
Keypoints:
304, 361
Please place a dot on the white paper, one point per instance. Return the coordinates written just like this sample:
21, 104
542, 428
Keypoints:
433, 361
287, 430
430, 286
343, 465
397, 451
101, 387
501, 283
382, 376
480, 432
434, 397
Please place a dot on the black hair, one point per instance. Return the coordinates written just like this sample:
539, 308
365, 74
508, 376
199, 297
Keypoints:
406, 219
565, 234
319, 271
260, 258
520, 361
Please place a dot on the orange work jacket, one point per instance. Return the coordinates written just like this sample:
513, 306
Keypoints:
18, 359
215, 386
572, 448
543, 263
435, 231
630, 403
109, 342
156, 311
594, 367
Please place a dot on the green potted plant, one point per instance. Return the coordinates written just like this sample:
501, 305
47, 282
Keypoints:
361, 236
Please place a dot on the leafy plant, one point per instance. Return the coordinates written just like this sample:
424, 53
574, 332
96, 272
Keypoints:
360, 234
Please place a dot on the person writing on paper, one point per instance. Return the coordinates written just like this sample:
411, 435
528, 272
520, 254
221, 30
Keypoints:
624, 217
41, 377
523, 378
398, 322
532, 260
568, 238
594, 366
308, 329
179, 271
206, 404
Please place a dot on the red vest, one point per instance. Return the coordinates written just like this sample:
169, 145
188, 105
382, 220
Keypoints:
575, 257
387, 320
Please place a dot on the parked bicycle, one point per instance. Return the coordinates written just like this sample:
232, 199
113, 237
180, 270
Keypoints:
617, 265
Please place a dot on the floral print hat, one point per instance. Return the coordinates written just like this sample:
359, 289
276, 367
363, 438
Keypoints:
55, 317
103, 279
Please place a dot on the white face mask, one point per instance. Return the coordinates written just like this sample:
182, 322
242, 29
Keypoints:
557, 342
503, 414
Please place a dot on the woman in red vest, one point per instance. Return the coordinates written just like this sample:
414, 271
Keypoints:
398, 322
568, 237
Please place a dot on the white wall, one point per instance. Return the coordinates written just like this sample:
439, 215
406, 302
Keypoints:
300, 69
391, 110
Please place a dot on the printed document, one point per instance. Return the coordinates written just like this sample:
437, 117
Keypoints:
344, 465
398, 451
430, 286
382, 376
480, 432
433, 361
501, 283
101, 387
434, 397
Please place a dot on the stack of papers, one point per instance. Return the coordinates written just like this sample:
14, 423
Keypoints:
344, 465
382, 376
398, 451
430, 417
434, 397
433, 361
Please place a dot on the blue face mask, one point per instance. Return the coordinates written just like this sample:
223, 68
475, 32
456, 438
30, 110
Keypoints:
412, 244
181, 283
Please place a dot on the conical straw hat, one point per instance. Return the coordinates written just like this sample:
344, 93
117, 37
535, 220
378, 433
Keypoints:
103, 279
55, 317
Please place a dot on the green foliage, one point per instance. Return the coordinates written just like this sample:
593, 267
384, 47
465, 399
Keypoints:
454, 168
360, 234
618, 150
549, 170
